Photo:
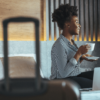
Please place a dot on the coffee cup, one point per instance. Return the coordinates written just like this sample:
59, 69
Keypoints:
92, 45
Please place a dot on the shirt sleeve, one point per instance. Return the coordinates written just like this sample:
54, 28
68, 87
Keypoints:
76, 70
64, 66
73, 61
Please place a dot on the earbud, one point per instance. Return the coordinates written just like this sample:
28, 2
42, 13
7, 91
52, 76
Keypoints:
68, 26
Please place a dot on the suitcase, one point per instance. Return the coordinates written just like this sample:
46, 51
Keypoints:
33, 88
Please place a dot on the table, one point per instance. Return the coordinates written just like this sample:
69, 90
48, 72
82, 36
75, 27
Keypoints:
90, 95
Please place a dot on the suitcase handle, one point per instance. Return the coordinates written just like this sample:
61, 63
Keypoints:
5, 26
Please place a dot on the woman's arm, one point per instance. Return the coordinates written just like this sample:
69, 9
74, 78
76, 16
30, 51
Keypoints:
77, 55
82, 50
60, 59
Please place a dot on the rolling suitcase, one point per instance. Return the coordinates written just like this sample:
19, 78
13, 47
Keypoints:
33, 88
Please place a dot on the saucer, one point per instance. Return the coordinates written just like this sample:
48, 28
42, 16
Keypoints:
92, 58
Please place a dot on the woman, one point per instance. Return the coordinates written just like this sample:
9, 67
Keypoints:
66, 56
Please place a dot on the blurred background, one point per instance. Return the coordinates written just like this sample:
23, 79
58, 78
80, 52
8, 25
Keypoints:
21, 36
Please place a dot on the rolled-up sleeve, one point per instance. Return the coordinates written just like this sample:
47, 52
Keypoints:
73, 61
64, 66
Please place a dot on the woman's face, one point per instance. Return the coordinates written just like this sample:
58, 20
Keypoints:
74, 26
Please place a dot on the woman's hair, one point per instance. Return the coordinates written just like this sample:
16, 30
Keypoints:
63, 14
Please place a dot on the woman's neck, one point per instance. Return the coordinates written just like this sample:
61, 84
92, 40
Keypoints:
68, 36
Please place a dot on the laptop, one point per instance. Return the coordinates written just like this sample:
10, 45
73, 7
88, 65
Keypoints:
96, 81
1, 71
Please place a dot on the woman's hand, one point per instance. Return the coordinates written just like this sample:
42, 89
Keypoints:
83, 57
83, 49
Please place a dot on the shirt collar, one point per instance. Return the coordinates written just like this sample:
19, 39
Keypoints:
65, 39
74, 47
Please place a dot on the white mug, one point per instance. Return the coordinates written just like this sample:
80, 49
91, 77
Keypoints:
92, 45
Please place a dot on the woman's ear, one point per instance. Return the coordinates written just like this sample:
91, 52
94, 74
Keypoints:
67, 25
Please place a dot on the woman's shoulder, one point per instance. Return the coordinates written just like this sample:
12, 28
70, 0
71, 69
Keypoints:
58, 44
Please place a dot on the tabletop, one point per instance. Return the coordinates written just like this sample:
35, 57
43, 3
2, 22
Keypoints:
90, 95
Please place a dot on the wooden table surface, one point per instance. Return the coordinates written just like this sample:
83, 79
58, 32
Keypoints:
90, 95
